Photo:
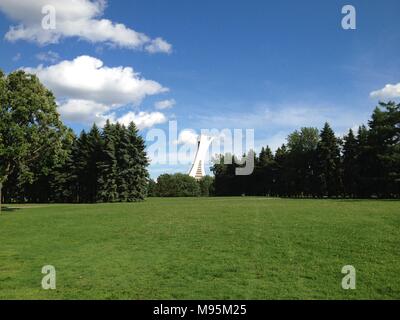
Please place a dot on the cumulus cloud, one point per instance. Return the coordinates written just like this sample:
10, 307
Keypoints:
158, 45
85, 112
188, 137
165, 104
143, 119
74, 18
86, 78
90, 92
88, 112
389, 91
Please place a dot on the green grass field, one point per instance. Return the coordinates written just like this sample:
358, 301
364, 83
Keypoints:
202, 248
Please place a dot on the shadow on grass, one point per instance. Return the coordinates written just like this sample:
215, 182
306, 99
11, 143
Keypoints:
9, 209
367, 199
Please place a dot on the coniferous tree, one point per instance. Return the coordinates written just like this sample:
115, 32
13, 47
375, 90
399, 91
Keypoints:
364, 163
329, 171
123, 162
137, 177
94, 157
107, 166
280, 177
350, 165
263, 174
62, 181
384, 148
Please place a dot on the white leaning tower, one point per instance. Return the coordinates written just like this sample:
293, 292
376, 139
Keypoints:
197, 170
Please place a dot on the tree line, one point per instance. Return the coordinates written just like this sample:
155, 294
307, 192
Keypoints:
41, 160
181, 185
318, 164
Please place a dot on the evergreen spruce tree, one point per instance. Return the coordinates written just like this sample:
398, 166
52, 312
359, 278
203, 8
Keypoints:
94, 157
137, 177
280, 174
107, 166
264, 172
384, 144
123, 162
328, 153
63, 181
350, 165
365, 162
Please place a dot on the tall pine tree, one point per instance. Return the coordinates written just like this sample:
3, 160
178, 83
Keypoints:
350, 165
329, 171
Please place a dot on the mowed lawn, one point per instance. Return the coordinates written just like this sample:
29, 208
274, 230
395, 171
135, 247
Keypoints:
202, 248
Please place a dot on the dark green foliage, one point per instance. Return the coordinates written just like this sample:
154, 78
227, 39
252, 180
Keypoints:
384, 150
350, 165
314, 164
152, 188
41, 160
31, 137
328, 163
105, 166
137, 175
206, 186
301, 162
177, 185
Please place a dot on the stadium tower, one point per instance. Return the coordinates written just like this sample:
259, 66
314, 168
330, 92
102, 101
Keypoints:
197, 170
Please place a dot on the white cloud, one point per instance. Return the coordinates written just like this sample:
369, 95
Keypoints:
85, 112
165, 104
86, 78
389, 91
188, 137
90, 92
88, 112
158, 45
143, 119
49, 56
75, 18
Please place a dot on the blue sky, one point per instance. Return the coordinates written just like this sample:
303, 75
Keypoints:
266, 65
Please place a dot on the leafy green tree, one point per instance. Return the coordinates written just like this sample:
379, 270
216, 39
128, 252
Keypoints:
206, 186
31, 132
152, 188
177, 185
300, 163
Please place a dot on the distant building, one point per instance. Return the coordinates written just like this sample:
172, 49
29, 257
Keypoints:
197, 170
